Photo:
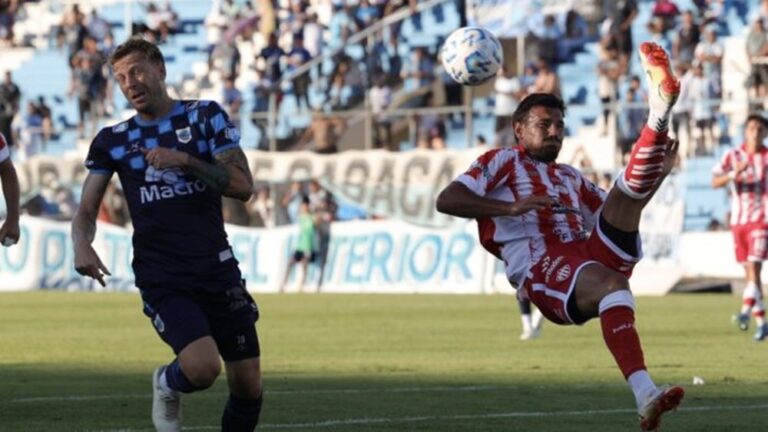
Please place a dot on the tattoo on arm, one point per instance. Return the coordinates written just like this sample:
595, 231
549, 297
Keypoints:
236, 159
216, 176
219, 175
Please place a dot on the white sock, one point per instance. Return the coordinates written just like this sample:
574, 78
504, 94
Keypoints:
750, 292
642, 386
164, 383
526, 320
658, 120
536, 319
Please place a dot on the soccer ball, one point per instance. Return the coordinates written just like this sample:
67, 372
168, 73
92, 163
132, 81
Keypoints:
471, 55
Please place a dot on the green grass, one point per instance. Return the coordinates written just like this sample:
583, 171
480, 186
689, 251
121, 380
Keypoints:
381, 363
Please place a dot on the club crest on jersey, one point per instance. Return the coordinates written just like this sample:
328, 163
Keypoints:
232, 134
122, 127
184, 135
563, 273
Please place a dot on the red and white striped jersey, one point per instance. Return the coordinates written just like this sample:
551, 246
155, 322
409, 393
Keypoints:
748, 190
5, 152
510, 174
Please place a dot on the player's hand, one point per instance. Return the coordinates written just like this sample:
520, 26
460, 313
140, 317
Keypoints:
9, 233
161, 158
740, 167
87, 263
532, 203
670, 157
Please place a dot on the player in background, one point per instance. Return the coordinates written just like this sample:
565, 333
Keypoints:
567, 246
175, 160
9, 230
745, 170
304, 251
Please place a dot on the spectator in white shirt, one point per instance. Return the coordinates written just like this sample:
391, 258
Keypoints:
709, 52
380, 96
508, 92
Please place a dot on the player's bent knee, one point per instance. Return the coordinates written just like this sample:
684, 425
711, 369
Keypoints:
245, 378
620, 298
204, 373
597, 281
615, 282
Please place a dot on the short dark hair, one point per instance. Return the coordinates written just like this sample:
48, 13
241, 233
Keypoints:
758, 118
547, 100
137, 44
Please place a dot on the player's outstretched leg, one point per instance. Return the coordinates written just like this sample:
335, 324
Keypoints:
665, 399
647, 159
166, 404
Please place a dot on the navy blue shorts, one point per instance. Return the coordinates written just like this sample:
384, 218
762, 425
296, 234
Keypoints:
181, 316
300, 255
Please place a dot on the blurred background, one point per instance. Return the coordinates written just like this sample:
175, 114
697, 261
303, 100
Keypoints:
346, 103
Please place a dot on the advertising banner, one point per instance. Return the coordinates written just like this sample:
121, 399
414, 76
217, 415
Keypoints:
363, 256
395, 185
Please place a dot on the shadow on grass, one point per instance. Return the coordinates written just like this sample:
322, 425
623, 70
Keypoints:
55, 398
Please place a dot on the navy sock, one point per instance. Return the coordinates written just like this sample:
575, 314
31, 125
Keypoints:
525, 306
241, 415
176, 379
627, 241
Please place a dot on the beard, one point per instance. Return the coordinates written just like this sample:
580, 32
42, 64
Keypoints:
547, 153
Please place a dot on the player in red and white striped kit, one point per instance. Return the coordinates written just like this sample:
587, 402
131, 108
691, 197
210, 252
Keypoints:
746, 169
567, 245
9, 230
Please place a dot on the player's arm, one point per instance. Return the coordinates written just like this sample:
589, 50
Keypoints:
9, 231
458, 200
721, 180
87, 262
228, 175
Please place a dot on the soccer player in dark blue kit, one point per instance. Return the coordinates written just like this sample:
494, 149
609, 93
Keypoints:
175, 160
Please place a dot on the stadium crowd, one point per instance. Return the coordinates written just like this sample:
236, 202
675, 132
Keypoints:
252, 45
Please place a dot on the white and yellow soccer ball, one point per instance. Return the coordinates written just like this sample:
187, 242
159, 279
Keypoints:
471, 55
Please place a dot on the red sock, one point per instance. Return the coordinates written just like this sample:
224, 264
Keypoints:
645, 164
750, 302
622, 340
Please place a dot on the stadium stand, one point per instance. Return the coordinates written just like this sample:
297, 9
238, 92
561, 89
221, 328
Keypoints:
40, 68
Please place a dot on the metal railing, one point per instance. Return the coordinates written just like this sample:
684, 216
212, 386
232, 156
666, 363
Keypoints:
740, 107
367, 34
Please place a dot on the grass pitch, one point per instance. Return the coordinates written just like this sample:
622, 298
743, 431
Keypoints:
82, 362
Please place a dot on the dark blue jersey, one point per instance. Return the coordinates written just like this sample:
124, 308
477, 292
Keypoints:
179, 235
